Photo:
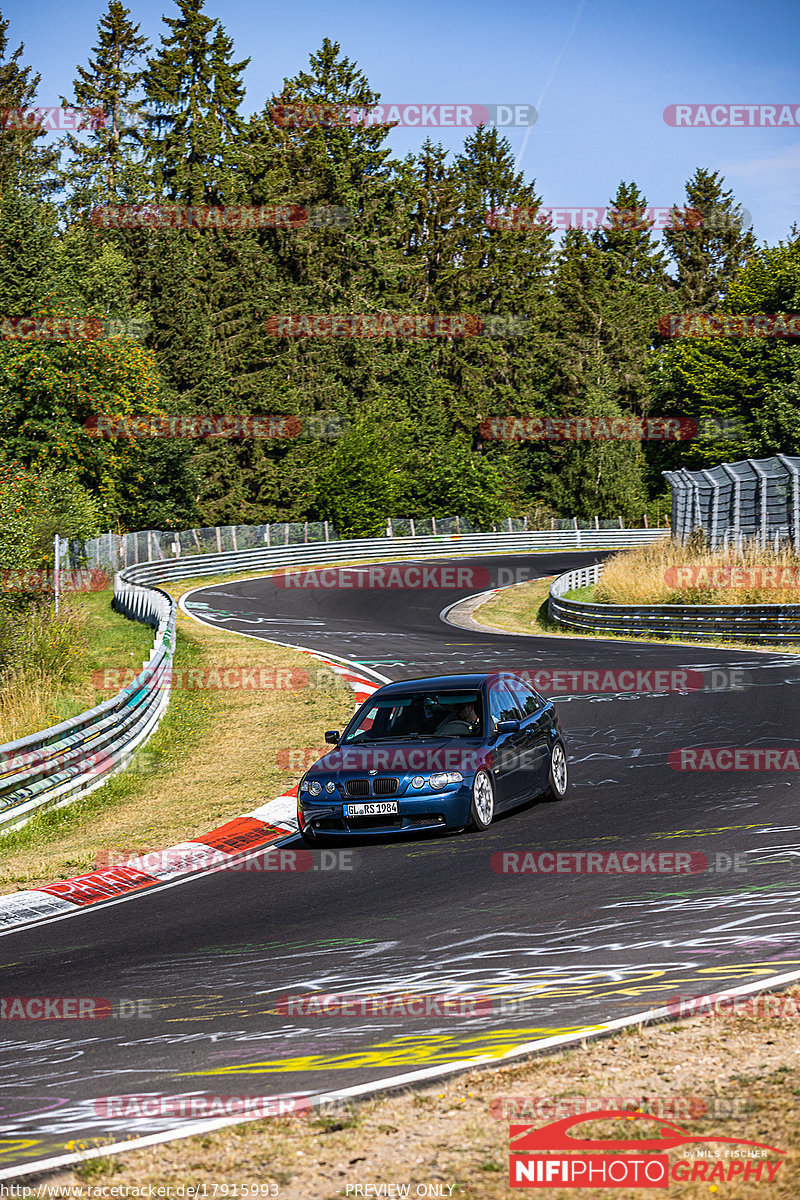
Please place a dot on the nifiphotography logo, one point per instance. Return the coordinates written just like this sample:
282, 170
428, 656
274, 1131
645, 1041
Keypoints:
550, 1156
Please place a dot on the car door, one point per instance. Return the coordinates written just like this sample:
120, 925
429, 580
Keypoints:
506, 747
537, 720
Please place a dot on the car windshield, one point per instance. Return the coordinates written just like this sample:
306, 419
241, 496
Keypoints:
419, 715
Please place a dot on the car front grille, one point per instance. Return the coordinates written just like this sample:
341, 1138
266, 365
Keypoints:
385, 786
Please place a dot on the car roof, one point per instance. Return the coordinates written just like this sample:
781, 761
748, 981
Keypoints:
438, 683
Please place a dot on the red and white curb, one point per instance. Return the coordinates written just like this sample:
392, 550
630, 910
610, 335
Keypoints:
221, 849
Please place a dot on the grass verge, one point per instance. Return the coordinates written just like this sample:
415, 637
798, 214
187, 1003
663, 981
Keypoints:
218, 751
669, 572
63, 659
522, 608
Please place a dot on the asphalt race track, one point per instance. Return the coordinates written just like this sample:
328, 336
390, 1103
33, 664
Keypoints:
212, 956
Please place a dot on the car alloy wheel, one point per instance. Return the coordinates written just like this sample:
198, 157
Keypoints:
558, 780
482, 807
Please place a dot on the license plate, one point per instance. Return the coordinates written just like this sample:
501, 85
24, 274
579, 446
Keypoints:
375, 808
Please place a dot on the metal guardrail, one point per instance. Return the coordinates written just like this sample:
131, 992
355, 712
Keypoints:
451, 545
748, 622
56, 766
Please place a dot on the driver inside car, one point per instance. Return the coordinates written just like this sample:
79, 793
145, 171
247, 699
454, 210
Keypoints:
459, 723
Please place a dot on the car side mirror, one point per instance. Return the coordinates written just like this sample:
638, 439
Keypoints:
332, 736
506, 727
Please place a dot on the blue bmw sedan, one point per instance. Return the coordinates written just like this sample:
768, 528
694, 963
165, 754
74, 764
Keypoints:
443, 753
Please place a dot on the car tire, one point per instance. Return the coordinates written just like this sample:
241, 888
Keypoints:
481, 810
558, 779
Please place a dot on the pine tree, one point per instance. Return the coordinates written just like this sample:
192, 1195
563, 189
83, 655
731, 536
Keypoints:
627, 240
498, 273
193, 91
106, 169
25, 167
708, 241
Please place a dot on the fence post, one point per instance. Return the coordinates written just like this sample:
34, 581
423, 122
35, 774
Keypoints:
326, 530
433, 522
762, 477
411, 520
286, 533
305, 531
219, 540
737, 496
794, 519
714, 508
56, 568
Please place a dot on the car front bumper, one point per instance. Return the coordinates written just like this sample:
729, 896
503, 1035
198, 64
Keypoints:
442, 810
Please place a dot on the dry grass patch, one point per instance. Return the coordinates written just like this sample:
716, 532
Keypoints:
218, 752
667, 572
45, 658
523, 609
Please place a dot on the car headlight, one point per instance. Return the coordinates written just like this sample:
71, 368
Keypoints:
330, 786
314, 787
442, 778
417, 782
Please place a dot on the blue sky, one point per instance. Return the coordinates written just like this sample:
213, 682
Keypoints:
600, 73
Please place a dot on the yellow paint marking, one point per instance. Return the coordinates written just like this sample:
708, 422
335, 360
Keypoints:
14, 1145
401, 1052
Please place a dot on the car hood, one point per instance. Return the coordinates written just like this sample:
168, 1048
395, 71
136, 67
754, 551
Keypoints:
404, 758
